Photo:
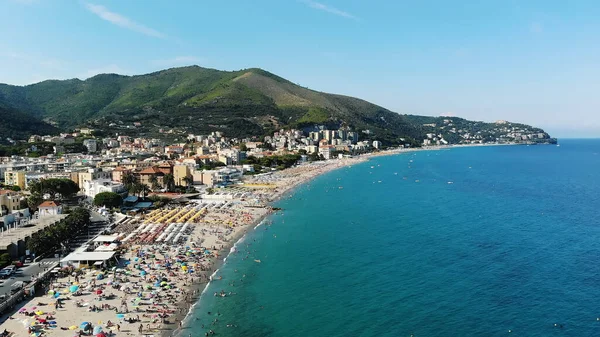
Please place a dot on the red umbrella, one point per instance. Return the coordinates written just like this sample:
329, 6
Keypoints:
98, 292
101, 334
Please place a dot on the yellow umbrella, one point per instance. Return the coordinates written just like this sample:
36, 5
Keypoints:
39, 312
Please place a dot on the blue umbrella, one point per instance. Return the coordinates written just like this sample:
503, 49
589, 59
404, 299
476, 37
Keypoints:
120, 316
83, 325
73, 288
97, 329
143, 272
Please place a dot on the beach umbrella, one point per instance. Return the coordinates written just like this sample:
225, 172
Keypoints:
83, 325
120, 316
22, 309
97, 329
73, 288
101, 334
50, 292
39, 312
143, 273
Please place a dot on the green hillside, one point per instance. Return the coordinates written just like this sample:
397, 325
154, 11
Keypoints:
194, 99
19, 125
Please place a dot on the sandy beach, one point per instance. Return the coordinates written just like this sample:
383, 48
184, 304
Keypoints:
160, 272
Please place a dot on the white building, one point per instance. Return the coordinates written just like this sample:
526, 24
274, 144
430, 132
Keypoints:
93, 187
91, 144
376, 144
49, 208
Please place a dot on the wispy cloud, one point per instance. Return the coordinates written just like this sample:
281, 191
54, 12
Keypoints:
122, 21
329, 9
177, 61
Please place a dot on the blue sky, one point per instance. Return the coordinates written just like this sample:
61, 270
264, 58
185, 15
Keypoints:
536, 62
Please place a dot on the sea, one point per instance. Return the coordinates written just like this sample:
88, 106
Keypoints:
475, 241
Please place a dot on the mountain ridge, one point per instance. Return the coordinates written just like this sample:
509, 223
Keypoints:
193, 99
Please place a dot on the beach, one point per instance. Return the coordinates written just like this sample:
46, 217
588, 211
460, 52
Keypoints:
165, 259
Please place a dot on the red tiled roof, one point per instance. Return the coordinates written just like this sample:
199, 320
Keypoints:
49, 203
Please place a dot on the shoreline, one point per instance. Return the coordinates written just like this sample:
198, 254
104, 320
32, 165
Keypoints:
272, 188
328, 166
275, 197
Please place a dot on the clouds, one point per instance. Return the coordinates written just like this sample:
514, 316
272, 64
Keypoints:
122, 21
328, 9
177, 61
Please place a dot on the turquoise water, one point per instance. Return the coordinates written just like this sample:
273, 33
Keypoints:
512, 244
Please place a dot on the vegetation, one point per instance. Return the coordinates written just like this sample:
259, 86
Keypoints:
18, 124
58, 236
57, 188
5, 260
169, 182
241, 103
108, 199
27, 149
281, 162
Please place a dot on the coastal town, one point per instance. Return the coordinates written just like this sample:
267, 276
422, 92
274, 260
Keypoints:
165, 216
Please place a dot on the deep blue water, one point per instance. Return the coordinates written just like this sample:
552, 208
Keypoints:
512, 244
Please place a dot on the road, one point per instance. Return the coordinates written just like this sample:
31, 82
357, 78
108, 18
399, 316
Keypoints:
24, 273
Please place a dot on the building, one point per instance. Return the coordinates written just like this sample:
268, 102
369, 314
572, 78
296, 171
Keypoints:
118, 173
92, 174
9, 202
327, 151
180, 172
92, 187
91, 145
15, 178
377, 144
49, 208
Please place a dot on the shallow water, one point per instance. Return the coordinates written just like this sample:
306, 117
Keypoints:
510, 244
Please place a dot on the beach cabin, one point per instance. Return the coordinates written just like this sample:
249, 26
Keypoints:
81, 259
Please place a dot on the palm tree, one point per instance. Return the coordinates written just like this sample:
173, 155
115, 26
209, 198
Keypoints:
153, 180
189, 181
144, 190
135, 188
169, 182
128, 179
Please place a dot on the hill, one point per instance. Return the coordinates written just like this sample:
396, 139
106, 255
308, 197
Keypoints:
197, 100
16, 125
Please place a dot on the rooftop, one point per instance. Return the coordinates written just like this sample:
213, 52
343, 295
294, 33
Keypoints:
88, 256
16, 234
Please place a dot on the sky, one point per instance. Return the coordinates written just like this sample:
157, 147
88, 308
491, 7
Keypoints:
534, 62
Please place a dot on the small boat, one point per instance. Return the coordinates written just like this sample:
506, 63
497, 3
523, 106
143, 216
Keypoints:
450, 182
257, 261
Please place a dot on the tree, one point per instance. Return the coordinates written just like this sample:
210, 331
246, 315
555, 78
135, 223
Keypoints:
128, 180
169, 182
243, 147
34, 200
154, 182
57, 187
188, 180
108, 199
57, 236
